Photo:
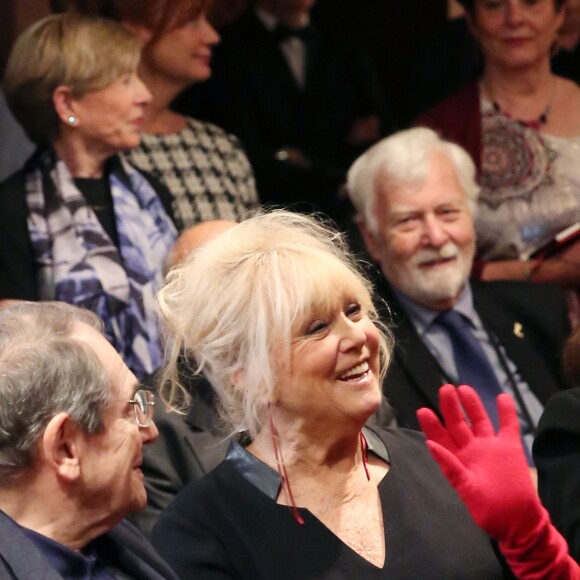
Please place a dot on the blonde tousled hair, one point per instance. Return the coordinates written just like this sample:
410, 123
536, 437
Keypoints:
231, 309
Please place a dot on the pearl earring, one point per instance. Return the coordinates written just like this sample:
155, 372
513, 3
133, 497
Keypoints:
72, 119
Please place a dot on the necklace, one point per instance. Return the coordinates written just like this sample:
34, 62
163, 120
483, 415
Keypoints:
534, 124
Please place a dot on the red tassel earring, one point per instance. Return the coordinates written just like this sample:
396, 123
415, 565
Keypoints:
282, 468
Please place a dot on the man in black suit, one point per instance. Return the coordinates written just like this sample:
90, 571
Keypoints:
415, 195
73, 420
303, 101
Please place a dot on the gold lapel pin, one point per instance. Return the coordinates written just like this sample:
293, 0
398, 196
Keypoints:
518, 329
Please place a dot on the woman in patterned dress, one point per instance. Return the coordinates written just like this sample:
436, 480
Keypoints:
521, 123
204, 168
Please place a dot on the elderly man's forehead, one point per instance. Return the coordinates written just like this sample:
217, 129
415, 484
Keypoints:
122, 380
85, 332
439, 172
96, 342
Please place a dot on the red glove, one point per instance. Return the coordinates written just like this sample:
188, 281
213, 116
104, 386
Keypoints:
491, 475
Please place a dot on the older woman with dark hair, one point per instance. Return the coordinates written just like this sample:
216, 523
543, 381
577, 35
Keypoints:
290, 341
521, 124
78, 223
204, 168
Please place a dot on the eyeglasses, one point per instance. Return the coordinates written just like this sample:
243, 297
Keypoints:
143, 405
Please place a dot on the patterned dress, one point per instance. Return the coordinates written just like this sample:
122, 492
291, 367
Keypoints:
205, 170
530, 186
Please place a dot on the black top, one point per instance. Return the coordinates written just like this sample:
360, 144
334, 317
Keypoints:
557, 456
228, 525
97, 192
18, 270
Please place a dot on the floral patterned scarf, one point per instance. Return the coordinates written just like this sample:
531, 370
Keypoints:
79, 264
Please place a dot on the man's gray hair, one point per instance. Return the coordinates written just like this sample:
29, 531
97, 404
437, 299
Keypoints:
44, 371
403, 160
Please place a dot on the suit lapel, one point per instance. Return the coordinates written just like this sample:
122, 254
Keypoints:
412, 357
311, 65
518, 347
21, 555
135, 554
269, 59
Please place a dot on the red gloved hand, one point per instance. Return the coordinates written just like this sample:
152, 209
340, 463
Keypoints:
491, 475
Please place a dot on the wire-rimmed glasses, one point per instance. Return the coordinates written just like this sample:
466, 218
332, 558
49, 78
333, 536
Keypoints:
143, 405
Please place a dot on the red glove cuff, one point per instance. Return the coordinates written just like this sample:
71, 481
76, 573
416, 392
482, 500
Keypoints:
540, 554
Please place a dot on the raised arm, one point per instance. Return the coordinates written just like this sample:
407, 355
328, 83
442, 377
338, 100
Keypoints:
490, 474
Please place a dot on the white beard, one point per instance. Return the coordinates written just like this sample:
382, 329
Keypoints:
426, 285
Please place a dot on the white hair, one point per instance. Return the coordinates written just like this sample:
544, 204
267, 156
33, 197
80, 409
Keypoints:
231, 308
403, 160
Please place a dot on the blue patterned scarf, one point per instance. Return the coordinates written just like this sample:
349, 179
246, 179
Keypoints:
79, 264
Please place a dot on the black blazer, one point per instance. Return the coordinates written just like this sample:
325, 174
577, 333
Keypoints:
253, 94
21, 560
528, 320
557, 456
187, 448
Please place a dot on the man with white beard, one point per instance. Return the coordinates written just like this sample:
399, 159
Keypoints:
415, 197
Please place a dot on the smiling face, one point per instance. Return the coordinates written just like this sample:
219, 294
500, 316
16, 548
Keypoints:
111, 462
110, 119
516, 33
181, 54
426, 240
333, 369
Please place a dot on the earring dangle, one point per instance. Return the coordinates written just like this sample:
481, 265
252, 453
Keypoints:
282, 468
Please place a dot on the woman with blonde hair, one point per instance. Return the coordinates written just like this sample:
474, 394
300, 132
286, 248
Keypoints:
204, 168
279, 318
78, 223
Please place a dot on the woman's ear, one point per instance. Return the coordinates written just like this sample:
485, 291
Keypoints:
471, 25
60, 447
65, 105
454, 10
562, 15
142, 33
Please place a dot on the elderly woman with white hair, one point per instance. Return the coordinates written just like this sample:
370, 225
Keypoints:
279, 318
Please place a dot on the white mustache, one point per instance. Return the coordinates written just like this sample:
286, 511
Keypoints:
426, 255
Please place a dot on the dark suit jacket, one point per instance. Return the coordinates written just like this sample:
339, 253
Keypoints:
557, 457
21, 560
414, 377
254, 95
187, 448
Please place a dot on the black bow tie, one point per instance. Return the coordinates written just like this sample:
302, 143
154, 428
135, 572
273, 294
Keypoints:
283, 32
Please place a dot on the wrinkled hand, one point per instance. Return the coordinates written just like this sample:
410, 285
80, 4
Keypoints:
489, 471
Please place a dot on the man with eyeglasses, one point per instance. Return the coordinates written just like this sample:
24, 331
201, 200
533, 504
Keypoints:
73, 420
